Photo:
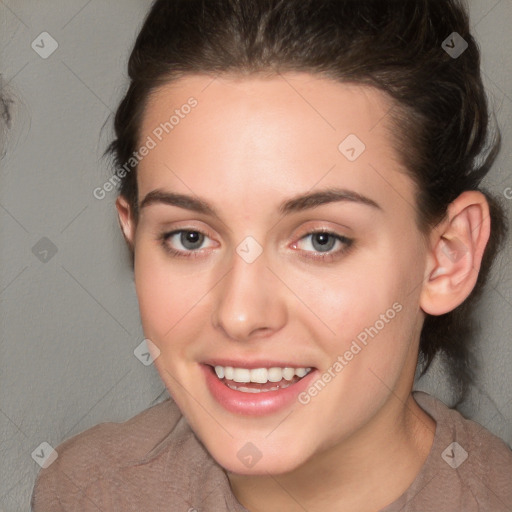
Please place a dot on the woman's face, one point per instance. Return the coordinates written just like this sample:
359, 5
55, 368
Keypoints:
246, 283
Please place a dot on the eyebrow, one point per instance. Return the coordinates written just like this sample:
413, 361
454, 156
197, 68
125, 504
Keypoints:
298, 203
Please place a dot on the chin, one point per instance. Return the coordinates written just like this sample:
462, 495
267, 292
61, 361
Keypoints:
249, 460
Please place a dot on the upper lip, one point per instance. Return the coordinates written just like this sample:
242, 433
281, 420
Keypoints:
256, 363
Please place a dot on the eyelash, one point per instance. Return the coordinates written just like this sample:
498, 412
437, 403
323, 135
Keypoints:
323, 257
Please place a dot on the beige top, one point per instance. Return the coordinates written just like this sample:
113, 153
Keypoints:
154, 462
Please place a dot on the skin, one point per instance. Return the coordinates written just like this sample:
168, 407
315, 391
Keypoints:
250, 144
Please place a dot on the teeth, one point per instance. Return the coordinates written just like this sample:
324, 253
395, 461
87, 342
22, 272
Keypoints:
275, 374
300, 372
288, 373
241, 375
255, 390
259, 375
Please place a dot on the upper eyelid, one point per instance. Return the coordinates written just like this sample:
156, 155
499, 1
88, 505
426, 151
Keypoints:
205, 232
303, 223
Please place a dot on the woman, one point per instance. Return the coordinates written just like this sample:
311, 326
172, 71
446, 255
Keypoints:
299, 190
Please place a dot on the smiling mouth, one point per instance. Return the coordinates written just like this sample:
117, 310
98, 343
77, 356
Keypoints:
259, 380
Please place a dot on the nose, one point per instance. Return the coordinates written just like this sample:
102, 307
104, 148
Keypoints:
249, 301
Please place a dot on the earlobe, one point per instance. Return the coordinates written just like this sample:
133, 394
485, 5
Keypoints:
456, 251
125, 220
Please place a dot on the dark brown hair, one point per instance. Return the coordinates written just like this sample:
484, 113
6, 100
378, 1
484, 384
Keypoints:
441, 116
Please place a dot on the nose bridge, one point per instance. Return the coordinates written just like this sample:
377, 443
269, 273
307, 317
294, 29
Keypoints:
248, 299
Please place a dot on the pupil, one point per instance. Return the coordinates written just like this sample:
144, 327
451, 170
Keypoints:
191, 239
323, 241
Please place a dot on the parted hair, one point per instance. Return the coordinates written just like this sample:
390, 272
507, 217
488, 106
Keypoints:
442, 124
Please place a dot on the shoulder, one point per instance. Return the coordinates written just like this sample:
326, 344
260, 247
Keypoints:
83, 459
468, 458
482, 443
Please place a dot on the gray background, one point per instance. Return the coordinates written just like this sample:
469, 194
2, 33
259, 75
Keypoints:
69, 326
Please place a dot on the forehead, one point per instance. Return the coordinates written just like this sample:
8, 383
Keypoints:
282, 133
317, 99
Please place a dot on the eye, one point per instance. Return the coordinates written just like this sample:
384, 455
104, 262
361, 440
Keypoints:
187, 243
183, 242
323, 243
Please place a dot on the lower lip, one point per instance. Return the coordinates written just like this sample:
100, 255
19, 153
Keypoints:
254, 404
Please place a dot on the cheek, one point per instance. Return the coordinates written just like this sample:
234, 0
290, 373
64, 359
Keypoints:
372, 301
167, 296
350, 297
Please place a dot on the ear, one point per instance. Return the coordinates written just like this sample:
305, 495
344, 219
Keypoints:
456, 249
126, 221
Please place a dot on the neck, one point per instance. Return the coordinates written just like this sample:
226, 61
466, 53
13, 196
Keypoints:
365, 472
